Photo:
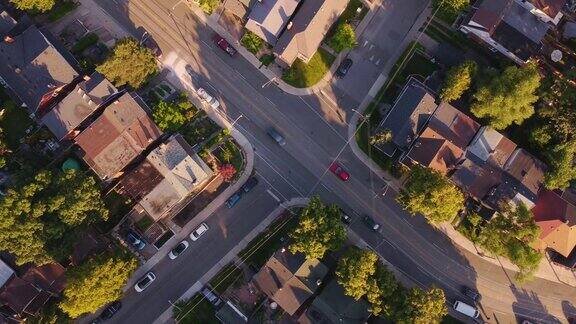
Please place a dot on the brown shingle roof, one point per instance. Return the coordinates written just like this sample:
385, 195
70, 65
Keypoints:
454, 125
489, 13
549, 7
115, 138
527, 169
434, 151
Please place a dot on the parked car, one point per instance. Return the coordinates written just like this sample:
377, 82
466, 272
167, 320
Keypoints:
199, 231
466, 309
249, 184
210, 99
110, 310
190, 70
345, 218
472, 293
211, 296
339, 171
233, 200
371, 223
145, 281
147, 41
224, 45
135, 240
178, 249
343, 68
276, 136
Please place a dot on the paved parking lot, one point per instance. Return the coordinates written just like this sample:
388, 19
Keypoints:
379, 41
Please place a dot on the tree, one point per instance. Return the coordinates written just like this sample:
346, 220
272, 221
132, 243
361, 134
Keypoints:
344, 38
172, 115
425, 306
458, 80
227, 172
319, 229
561, 169
130, 63
40, 5
450, 7
96, 283
354, 271
382, 137
37, 220
384, 293
509, 97
429, 193
208, 6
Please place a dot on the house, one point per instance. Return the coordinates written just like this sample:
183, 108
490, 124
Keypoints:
290, 279
114, 139
238, 8
88, 95
307, 29
32, 67
27, 294
269, 18
506, 26
407, 117
556, 218
443, 142
169, 173
333, 306
550, 11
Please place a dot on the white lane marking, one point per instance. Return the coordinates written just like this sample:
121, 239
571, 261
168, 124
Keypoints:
279, 174
270, 184
273, 195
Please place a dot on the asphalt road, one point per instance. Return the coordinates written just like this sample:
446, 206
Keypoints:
315, 128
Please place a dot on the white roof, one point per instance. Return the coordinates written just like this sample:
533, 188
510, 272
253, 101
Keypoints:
268, 18
485, 143
5, 273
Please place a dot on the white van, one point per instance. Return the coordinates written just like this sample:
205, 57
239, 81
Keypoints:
466, 309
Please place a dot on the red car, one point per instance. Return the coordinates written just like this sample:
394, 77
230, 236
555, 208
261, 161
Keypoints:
339, 171
224, 45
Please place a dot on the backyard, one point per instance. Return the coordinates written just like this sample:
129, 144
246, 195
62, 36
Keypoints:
302, 75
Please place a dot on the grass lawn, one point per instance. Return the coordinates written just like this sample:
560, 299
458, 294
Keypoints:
196, 310
226, 278
266, 59
302, 75
14, 123
144, 223
61, 9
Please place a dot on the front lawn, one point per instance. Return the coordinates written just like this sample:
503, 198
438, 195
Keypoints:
252, 42
196, 310
61, 9
302, 75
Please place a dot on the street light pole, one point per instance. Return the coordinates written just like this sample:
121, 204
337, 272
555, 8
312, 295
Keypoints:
268, 82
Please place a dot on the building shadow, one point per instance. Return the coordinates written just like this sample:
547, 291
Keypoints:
529, 307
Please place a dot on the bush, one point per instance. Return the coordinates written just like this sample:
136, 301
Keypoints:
84, 42
208, 6
343, 38
252, 42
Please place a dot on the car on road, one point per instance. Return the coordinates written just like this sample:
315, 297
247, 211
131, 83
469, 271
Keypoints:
147, 41
343, 68
276, 136
110, 310
224, 45
190, 70
210, 99
135, 240
466, 309
233, 200
145, 281
178, 249
371, 223
211, 296
339, 171
472, 293
345, 218
199, 231
249, 184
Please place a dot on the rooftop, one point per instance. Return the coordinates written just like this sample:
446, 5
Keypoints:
557, 221
5, 273
489, 146
550, 7
434, 151
527, 169
268, 18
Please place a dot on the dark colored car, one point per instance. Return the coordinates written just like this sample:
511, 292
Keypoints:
473, 294
344, 68
110, 311
345, 218
339, 171
371, 223
276, 136
149, 42
249, 185
224, 45
135, 240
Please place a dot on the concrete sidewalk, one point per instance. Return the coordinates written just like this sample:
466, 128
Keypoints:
166, 317
212, 22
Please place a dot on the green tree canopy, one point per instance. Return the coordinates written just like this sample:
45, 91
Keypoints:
37, 219
344, 38
208, 6
509, 97
96, 283
560, 166
429, 193
170, 116
450, 7
382, 137
319, 229
458, 80
354, 271
425, 306
40, 5
130, 63
384, 294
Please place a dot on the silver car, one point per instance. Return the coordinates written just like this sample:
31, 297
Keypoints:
145, 281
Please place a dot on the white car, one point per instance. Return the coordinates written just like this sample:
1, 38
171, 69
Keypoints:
145, 282
204, 95
199, 231
178, 249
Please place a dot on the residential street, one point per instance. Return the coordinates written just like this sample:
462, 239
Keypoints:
315, 128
